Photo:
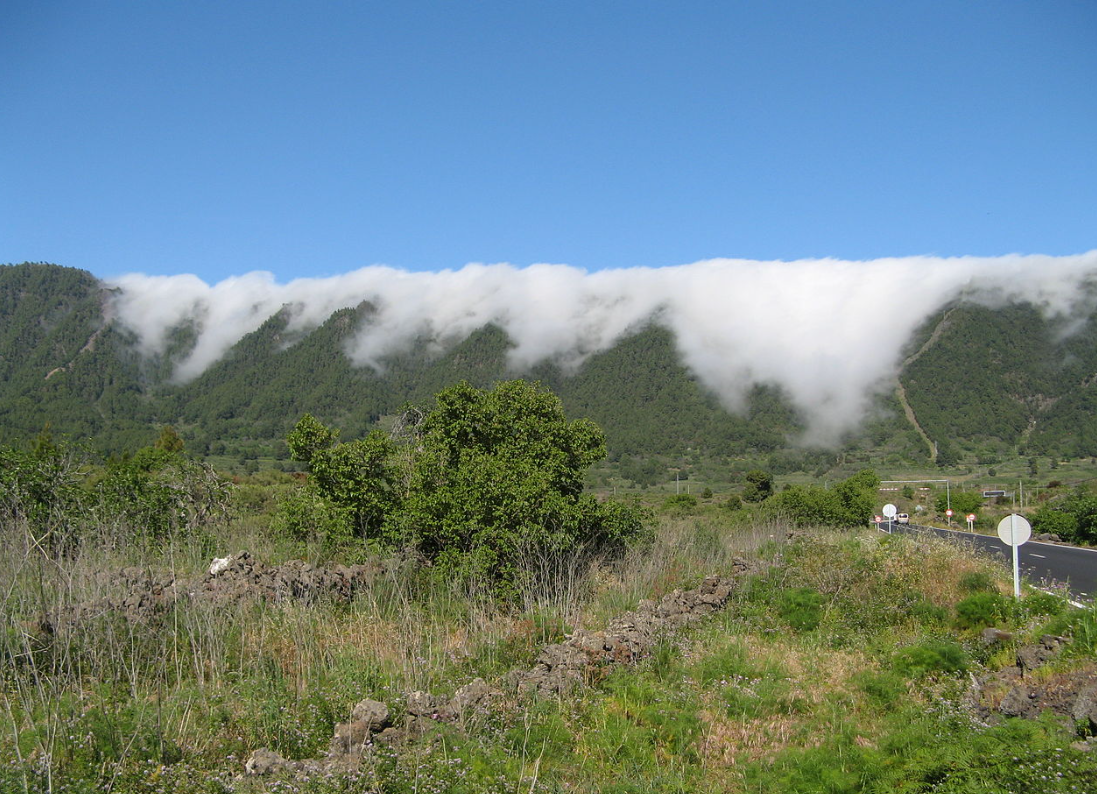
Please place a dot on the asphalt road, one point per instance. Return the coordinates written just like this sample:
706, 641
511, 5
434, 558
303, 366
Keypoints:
1039, 562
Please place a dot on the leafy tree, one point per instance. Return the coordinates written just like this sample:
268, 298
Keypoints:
498, 480
41, 489
848, 503
156, 494
857, 496
169, 440
962, 502
309, 437
357, 476
759, 485
1083, 506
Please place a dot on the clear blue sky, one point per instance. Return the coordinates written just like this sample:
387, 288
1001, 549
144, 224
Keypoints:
315, 138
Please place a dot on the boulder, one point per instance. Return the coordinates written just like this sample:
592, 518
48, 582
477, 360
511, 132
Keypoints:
266, 762
992, 636
1019, 702
1085, 707
372, 712
1032, 656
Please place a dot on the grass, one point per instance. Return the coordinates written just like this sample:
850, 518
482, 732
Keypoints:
836, 669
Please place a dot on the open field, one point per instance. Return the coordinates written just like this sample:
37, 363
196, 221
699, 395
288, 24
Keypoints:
842, 661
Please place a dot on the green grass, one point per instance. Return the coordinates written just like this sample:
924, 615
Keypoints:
839, 668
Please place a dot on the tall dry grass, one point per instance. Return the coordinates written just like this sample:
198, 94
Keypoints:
93, 694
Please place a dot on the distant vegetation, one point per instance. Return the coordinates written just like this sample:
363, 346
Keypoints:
990, 385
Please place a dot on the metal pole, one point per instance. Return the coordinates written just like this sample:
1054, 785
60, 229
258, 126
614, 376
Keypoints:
1016, 561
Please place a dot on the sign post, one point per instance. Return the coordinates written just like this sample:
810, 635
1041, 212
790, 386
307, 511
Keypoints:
948, 516
1014, 530
889, 512
970, 522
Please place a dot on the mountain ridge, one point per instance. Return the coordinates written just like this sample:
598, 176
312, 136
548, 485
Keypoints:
976, 380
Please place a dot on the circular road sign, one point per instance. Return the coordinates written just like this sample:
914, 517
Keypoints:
889, 510
1014, 530
948, 513
970, 516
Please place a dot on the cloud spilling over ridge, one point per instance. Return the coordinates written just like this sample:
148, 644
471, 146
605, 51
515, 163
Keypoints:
829, 332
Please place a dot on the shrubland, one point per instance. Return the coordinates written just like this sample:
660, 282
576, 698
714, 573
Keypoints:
845, 660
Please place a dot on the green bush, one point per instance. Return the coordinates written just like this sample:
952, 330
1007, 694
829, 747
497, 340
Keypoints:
926, 612
682, 503
981, 610
930, 656
1043, 604
306, 515
487, 486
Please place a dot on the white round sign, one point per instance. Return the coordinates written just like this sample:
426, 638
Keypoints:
1014, 530
889, 510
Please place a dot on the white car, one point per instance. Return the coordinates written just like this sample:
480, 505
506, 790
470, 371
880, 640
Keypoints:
903, 518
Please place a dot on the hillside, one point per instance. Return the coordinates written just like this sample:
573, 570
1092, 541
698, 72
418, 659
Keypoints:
979, 382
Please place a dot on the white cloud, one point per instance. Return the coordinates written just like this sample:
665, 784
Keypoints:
829, 332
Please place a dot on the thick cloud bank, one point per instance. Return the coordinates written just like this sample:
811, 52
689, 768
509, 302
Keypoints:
829, 332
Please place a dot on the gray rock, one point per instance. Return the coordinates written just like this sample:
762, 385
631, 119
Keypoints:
992, 636
349, 738
266, 762
1032, 656
1085, 706
1087, 745
373, 712
473, 694
1019, 702
421, 704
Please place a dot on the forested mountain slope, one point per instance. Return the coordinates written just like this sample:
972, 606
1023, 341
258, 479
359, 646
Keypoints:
989, 379
1007, 376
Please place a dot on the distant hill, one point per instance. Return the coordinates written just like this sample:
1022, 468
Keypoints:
977, 381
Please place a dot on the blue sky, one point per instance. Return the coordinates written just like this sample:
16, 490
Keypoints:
312, 139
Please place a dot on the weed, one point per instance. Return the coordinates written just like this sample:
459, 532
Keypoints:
930, 656
977, 582
801, 608
883, 689
980, 610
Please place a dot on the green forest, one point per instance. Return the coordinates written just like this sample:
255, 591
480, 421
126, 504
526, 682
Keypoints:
994, 383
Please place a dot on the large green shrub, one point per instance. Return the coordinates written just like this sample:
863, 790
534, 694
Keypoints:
156, 494
487, 486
